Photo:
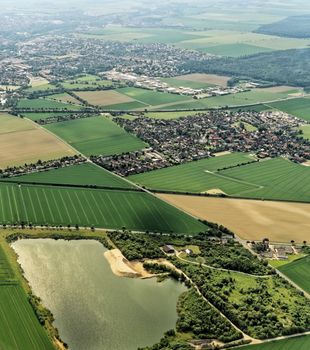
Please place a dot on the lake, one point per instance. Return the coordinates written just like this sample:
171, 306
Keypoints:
93, 308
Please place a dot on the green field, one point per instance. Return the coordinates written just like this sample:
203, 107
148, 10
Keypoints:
298, 271
235, 50
152, 98
83, 174
168, 115
127, 106
300, 107
20, 329
41, 103
298, 343
96, 136
276, 179
102, 208
193, 176
305, 131
255, 96
43, 87
84, 82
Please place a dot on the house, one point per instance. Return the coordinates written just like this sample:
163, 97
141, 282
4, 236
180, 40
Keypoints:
168, 249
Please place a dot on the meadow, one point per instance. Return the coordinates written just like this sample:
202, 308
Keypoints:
41, 103
84, 82
83, 174
64, 98
23, 142
296, 343
43, 115
108, 209
298, 271
299, 107
276, 179
96, 136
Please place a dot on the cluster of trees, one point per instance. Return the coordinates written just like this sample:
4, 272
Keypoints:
233, 256
289, 67
196, 316
265, 308
137, 246
291, 27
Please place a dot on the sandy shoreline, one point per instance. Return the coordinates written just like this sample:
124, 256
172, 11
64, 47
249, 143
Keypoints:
123, 268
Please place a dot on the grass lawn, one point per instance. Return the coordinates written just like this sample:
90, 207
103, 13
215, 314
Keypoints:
300, 107
102, 208
41, 103
298, 271
83, 174
84, 82
96, 135
276, 179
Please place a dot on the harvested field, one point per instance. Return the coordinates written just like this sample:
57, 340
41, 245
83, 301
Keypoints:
101, 98
23, 142
250, 219
212, 79
281, 88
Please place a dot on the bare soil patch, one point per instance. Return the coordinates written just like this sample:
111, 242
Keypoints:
103, 98
250, 219
281, 88
212, 79
124, 268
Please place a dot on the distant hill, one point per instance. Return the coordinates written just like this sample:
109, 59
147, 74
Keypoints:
292, 27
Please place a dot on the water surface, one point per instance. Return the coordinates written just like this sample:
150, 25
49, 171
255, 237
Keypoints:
93, 308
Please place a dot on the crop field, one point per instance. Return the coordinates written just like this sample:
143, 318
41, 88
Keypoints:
152, 98
23, 142
102, 98
276, 179
20, 328
85, 207
297, 343
41, 103
298, 271
300, 107
168, 115
193, 176
82, 174
176, 82
235, 50
126, 106
209, 79
250, 219
96, 135
255, 96
238, 43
